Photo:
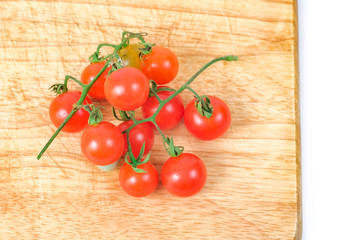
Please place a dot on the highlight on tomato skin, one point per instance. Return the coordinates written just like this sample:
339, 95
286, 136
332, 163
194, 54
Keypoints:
89, 73
184, 176
126, 88
138, 184
161, 65
60, 108
102, 144
142, 133
205, 128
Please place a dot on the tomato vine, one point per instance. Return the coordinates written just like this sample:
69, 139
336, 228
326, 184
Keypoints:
203, 103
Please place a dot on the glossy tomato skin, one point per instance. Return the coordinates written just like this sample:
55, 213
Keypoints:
207, 128
126, 88
170, 115
184, 176
102, 144
137, 136
60, 108
138, 184
161, 65
130, 55
89, 73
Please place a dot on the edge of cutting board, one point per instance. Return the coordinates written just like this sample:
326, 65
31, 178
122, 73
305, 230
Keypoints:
299, 227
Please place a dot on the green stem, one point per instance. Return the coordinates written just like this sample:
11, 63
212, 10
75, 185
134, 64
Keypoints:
105, 44
150, 119
164, 139
67, 77
107, 56
129, 145
86, 89
185, 85
56, 133
182, 88
115, 115
156, 95
132, 117
94, 58
132, 35
141, 38
161, 133
198, 97
123, 34
193, 92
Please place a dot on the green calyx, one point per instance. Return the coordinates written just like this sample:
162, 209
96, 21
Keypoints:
93, 109
172, 150
124, 115
94, 58
154, 89
146, 49
203, 106
58, 88
136, 161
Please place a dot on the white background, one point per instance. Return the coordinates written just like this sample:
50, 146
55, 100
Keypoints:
329, 37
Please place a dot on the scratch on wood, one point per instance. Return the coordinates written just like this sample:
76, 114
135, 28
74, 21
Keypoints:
102, 30
57, 164
238, 215
230, 30
69, 203
9, 169
169, 36
4, 206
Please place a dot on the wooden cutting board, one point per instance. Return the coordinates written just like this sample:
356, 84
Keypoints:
253, 189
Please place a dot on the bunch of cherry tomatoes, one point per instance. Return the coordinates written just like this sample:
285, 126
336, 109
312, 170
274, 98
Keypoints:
135, 76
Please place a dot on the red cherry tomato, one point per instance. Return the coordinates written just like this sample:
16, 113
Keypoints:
170, 115
89, 73
208, 128
60, 108
126, 88
102, 144
137, 136
161, 65
184, 176
138, 184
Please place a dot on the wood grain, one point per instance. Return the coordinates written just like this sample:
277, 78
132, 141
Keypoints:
253, 188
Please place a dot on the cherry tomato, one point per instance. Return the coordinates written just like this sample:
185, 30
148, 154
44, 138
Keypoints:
184, 176
170, 115
60, 108
137, 136
126, 88
208, 128
161, 65
130, 55
102, 144
89, 73
138, 184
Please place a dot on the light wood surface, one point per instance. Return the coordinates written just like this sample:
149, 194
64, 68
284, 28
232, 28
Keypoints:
253, 188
